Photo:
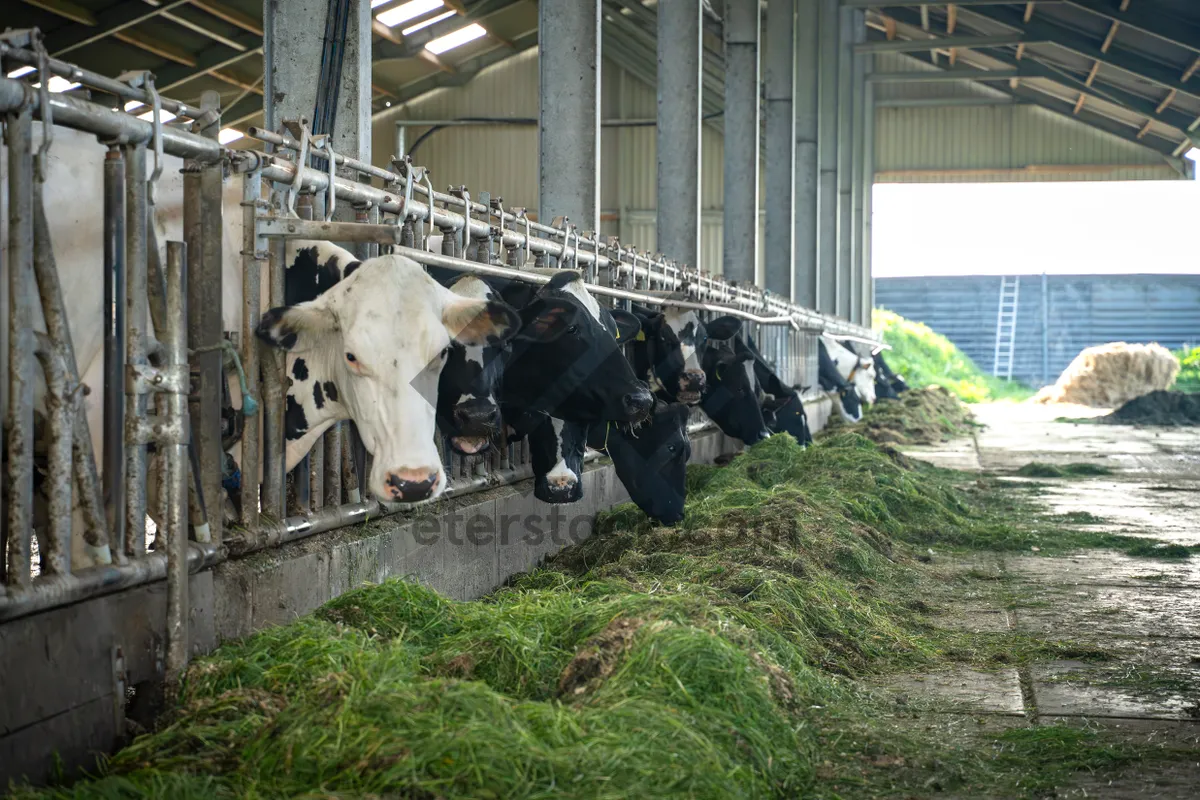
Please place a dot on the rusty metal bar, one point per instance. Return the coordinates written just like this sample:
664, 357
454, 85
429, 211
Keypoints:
174, 454
253, 256
137, 333
20, 347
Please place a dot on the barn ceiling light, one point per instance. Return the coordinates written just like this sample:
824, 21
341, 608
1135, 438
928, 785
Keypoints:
163, 115
456, 39
426, 23
20, 71
406, 11
58, 84
228, 135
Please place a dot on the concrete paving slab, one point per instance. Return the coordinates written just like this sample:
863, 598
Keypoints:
971, 618
1106, 568
961, 690
956, 454
1079, 689
1115, 611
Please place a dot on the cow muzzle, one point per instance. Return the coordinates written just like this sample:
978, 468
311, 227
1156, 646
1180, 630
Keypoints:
412, 485
637, 405
691, 386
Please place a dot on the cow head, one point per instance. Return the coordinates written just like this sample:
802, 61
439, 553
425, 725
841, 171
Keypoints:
731, 397
373, 348
468, 409
883, 389
566, 360
786, 415
651, 460
659, 353
556, 449
831, 379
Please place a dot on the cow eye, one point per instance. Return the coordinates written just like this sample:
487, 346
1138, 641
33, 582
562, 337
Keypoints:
573, 329
673, 448
350, 357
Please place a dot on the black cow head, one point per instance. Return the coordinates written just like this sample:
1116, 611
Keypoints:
566, 360
894, 381
556, 449
786, 415
651, 459
661, 358
468, 408
731, 397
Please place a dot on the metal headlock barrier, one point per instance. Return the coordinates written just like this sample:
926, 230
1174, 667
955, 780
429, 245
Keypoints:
165, 362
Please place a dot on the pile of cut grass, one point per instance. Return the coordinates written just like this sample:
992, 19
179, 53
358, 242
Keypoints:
711, 660
1037, 469
919, 417
926, 358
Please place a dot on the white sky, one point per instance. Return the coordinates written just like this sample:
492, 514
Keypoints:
1024, 228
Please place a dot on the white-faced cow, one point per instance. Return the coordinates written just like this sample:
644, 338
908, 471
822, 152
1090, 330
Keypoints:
371, 348
830, 379
854, 369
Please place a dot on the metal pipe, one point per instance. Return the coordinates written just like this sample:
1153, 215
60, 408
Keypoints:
136, 335
274, 443
114, 347
95, 80
845, 159
827, 156
54, 591
19, 124
780, 147
678, 134
205, 332
807, 111
868, 189
739, 244
174, 454
857, 140
569, 113
109, 125
254, 253
87, 480
60, 419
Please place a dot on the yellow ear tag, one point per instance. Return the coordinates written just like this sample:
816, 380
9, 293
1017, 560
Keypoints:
641, 337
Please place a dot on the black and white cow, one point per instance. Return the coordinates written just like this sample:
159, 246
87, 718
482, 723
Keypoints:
831, 380
856, 370
783, 410
885, 376
665, 353
731, 395
371, 348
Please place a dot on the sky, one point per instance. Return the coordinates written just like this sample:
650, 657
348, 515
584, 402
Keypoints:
1030, 228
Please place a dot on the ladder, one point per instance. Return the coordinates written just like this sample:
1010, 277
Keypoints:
1006, 327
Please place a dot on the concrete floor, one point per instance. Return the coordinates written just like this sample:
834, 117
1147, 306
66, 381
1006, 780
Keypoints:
1145, 612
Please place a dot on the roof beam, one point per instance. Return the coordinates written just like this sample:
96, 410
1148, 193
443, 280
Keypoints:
155, 45
1064, 37
914, 45
202, 30
887, 3
231, 15
213, 57
944, 75
1182, 31
112, 20
67, 10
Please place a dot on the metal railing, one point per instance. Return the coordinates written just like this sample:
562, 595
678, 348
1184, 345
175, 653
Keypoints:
395, 209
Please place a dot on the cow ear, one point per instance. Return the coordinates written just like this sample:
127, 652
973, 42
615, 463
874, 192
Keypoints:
296, 328
628, 325
724, 327
547, 319
478, 322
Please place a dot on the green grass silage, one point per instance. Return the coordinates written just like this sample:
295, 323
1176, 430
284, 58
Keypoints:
926, 358
1188, 379
713, 660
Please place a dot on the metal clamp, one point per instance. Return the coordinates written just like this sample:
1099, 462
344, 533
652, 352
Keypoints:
301, 161
429, 189
331, 192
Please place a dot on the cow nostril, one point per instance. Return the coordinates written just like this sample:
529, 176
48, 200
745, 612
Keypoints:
409, 486
638, 401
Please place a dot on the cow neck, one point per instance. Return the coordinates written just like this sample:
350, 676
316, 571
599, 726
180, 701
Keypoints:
312, 401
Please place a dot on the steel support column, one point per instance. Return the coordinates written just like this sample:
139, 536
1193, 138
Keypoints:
845, 157
739, 257
857, 139
780, 146
868, 178
680, 55
569, 111
807, 110
827, 155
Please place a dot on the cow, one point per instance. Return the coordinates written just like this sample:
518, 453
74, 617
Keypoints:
650, 458
885, 375
665, 353
883, 385
831, 380
371, 348
731, 392
854, 369
783, 410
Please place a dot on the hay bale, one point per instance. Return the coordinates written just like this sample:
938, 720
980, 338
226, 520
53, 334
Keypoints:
1110, 375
